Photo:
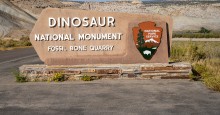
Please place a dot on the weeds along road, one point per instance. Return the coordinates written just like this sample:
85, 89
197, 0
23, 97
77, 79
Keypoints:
100, 97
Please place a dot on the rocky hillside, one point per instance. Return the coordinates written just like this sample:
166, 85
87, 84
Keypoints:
14, 20
186, 15
17, 17
36, 6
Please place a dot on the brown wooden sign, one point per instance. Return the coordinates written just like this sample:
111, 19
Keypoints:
70, 37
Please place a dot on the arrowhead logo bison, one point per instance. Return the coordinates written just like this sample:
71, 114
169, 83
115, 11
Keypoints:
147, 38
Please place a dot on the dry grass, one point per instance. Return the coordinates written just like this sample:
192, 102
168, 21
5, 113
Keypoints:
12, 48
213, 83
205, 58
9, 44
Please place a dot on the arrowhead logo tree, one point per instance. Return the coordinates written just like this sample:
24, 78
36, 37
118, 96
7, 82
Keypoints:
147, 38
140, 39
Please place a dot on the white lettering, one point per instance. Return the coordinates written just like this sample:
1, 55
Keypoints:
56, 48
93, 22
85, 22
102, 48
78, 48
52, 22
53, 37
100, 36
74, 20
111, 21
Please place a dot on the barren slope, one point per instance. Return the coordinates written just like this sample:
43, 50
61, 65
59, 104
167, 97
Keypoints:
17, 17
186, 15
14, 20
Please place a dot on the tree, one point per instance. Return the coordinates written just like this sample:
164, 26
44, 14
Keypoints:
204, 30
140, 39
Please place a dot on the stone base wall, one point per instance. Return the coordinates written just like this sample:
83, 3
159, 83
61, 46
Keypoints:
108, 71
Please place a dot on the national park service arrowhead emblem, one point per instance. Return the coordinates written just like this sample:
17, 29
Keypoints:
147, 38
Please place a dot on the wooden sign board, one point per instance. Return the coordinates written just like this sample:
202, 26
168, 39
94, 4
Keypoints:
72, 37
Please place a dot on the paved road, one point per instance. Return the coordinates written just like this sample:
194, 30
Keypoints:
17, 54
12, 59
102, 97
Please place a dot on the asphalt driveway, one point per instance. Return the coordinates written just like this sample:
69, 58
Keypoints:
101, 97
109, 97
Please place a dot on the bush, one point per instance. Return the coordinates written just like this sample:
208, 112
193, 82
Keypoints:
19, 77
86, 78
25, 40
204, 30
10, 43
57, 77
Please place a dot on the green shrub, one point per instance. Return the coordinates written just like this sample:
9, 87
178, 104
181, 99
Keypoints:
26, 43
19, 77
204, 30
86, 78
10, 43
25, 40
57, 77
